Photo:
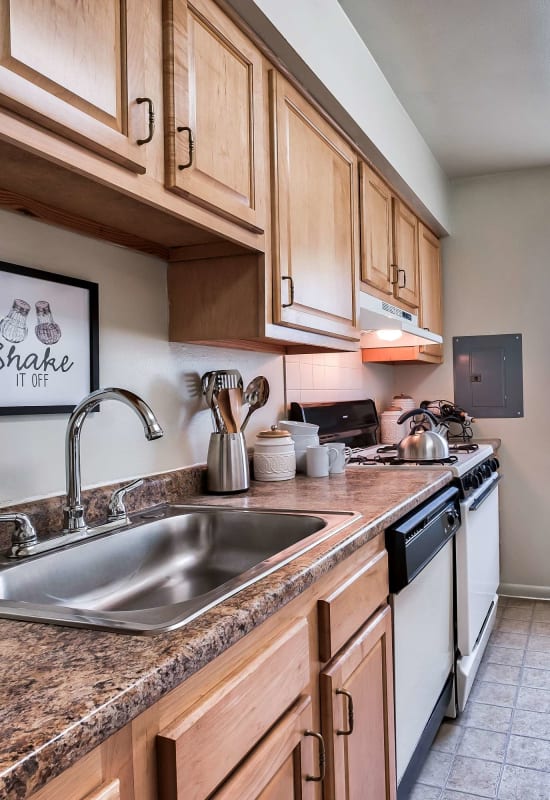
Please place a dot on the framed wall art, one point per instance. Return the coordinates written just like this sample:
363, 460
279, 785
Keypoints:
49, 342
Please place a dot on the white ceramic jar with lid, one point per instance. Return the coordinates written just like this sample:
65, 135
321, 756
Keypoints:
274, 455
390, 431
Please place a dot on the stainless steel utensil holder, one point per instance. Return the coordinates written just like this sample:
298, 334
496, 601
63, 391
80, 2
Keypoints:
227, 463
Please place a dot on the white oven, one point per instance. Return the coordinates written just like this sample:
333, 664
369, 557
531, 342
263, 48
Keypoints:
477, 579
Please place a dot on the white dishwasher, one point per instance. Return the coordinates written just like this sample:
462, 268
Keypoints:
421, 563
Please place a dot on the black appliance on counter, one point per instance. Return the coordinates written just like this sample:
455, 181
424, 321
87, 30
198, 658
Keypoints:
354, 422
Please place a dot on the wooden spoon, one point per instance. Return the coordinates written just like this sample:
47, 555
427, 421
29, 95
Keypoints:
226, 410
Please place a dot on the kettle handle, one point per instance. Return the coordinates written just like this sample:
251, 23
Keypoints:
418, 411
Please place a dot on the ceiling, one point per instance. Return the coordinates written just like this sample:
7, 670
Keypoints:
474, 76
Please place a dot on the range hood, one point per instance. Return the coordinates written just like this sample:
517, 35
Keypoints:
384, 325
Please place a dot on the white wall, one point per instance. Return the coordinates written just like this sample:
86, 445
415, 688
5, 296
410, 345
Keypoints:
135, 354
332, 53
497, 280
329, 377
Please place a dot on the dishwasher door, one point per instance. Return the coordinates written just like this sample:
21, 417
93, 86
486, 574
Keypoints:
423, 650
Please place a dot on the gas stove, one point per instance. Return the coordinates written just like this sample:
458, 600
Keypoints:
471, 464
356, 424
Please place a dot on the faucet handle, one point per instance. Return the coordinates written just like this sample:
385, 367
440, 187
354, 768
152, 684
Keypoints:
24, 533
117, 509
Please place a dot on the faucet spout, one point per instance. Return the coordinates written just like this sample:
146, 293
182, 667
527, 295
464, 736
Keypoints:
74, 511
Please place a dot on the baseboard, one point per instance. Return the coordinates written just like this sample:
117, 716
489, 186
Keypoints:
524, 590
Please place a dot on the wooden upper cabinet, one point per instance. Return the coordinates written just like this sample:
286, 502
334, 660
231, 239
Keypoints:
429, 262
77, 69
315, 218
405, 254
376, 231
215, 153
389, 242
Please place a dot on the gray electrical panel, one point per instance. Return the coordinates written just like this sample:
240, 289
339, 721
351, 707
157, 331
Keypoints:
488, 375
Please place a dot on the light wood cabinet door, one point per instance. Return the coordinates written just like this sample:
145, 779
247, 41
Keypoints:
429, 263
78, 69
315, 218
358, 716
215, 153
405, 247
282, 766
376, 231
199, 750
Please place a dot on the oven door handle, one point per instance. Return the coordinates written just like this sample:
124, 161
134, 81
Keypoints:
483, 497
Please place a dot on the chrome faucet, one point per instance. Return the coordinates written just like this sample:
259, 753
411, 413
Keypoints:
25, 542
74, 511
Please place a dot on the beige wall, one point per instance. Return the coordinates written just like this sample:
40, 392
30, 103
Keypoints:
497, 280
135, 354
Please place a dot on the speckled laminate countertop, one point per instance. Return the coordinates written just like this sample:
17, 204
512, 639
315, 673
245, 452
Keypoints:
66, 690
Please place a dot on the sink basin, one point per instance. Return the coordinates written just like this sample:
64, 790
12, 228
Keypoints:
169, 565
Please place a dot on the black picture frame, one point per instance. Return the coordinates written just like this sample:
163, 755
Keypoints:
75, 296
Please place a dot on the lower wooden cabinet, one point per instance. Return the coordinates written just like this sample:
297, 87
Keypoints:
106, 773
282, 766
357, 713
201, 748
270, 718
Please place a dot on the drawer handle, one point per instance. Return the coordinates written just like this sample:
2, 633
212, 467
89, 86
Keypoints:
351, 717
291, 289
189, 161
322, 757
151, 114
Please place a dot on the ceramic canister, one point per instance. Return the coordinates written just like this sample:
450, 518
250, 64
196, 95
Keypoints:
274, 456
390, 431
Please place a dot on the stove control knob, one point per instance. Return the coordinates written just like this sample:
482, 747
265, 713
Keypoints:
480, 476
451, 518
474, 479
486, 470
494, 464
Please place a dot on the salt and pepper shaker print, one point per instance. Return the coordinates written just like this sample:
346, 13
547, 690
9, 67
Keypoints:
14, 326
47, 331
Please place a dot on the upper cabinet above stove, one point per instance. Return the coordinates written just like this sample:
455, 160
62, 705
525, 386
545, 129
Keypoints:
389, 237
400, 263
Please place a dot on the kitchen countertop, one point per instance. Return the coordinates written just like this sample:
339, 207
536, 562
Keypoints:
66, 689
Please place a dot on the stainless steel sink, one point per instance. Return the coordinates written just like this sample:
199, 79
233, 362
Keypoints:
169, 565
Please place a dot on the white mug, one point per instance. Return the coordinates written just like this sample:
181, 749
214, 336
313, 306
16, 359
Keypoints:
320, 459
344, 455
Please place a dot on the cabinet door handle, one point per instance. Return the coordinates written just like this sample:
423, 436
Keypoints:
151, 115
322, 757
404, 278
395, 278
351, 717
291, 298
181, 129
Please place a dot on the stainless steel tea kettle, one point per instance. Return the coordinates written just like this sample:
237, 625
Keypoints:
422, 444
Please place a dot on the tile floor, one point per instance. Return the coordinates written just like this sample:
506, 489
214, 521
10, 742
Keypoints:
500, 746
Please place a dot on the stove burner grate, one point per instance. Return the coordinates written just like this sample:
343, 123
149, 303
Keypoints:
463, 448
393, 461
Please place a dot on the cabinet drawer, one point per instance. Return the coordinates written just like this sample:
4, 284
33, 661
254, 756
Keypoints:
201, 748
349, 606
